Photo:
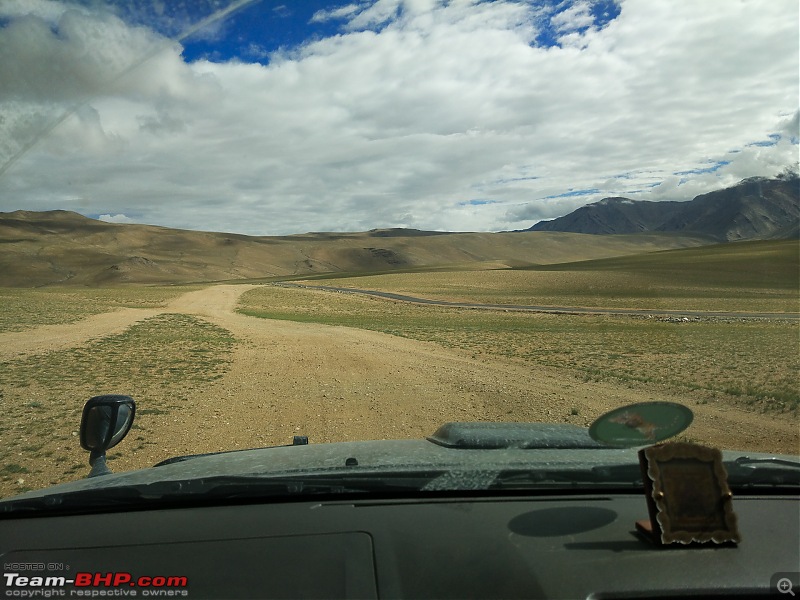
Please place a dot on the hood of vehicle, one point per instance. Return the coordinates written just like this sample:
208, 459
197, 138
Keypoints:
473, 465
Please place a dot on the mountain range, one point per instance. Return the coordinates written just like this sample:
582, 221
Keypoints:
754, 209
65, 248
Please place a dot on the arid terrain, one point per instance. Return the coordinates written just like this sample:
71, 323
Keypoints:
65, 248
93, 308
260, 381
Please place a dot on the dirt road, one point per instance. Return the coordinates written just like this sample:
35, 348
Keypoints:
338, 383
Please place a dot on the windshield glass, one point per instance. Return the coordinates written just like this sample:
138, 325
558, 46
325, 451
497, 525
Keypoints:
360, 220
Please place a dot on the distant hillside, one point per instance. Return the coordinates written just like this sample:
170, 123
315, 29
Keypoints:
60, 247
754, 209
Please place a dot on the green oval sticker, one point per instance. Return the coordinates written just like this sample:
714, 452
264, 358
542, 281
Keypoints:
641, 424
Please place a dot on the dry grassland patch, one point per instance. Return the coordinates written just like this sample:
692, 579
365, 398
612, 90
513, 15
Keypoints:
180, 368
754, 363
24, 308
163, 362
594, 289
760, 276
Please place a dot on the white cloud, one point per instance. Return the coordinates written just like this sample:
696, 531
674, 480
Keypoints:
574, 17
415, 109
374, 14
115, 219
48, 10
342, 12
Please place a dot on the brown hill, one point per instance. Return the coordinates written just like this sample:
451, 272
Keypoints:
61, 247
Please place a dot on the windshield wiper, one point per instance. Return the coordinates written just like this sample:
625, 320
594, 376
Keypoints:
772, 460
536, 478
744, 471
774, 471
166, 494
606, 475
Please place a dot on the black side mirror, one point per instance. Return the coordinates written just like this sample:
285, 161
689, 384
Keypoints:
106, 420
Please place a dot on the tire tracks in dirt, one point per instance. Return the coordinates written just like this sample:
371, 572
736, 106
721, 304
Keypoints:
215, 300
48, 338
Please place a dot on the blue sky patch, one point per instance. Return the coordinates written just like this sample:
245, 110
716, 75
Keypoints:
572, 193
552, 27
477, 202
260, 27
774, 138
713, 168
252, 33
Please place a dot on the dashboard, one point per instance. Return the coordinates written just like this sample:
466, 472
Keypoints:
483, 546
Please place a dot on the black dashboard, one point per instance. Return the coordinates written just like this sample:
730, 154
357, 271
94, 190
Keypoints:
487, 546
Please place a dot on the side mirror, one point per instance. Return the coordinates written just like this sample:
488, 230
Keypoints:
105, 421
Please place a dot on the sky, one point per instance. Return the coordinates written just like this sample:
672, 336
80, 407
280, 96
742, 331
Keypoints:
277, 117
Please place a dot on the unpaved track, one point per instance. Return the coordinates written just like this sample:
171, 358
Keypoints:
338, 383
47, 338
208, 302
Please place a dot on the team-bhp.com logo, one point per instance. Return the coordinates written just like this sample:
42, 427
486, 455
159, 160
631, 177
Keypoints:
95, 585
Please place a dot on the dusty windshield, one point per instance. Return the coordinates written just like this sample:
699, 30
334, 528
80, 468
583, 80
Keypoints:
362, 220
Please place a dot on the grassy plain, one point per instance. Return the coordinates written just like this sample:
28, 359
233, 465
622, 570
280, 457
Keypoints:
163, 362
754, 363
743, 277
23, 308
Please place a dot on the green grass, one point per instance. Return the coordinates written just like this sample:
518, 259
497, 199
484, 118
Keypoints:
12, 469
26, 308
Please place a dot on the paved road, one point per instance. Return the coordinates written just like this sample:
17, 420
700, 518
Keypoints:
568, 310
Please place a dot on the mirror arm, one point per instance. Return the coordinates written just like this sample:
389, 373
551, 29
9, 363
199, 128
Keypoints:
97, 459
105, 421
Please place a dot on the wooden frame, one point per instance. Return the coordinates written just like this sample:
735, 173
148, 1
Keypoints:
688, 497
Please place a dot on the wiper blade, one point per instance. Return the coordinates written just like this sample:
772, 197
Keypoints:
763, 471
84, 498
744, 471
186, 492
772, 460
259, 486
626, 475
537, 478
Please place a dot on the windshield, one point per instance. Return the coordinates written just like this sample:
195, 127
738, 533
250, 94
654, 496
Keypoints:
358, 221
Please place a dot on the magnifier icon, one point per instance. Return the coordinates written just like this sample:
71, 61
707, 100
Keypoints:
785, 586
